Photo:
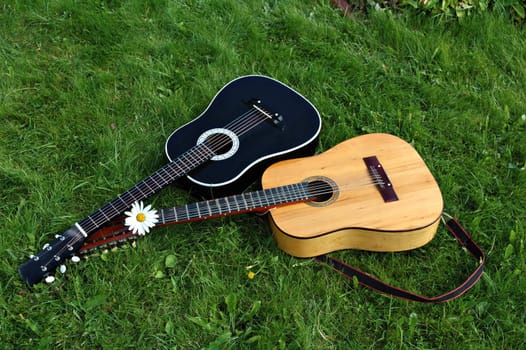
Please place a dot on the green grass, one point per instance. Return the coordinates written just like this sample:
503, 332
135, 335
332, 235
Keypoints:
89, 91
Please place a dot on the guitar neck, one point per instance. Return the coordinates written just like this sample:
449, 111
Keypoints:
256, 201
177, 168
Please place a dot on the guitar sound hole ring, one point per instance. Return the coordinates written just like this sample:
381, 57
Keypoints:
327, 188
223, 142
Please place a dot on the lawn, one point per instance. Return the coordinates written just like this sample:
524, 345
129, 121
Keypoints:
89, 92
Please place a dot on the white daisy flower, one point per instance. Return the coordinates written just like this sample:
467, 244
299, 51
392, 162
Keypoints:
140, 219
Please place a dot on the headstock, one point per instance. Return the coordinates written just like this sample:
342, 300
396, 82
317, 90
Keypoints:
51, 256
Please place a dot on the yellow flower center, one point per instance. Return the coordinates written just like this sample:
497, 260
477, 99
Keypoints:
140, 217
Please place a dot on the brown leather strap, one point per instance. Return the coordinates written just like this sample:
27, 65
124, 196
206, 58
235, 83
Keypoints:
463, 239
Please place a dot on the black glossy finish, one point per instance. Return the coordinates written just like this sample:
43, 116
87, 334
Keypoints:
265, 143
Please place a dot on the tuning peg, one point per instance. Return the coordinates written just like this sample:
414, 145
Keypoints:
75, 259
62, 268
49, 279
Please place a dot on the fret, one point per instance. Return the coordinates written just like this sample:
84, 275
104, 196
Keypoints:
304, 189
119, 197
284, 194
231, 203
197, 208
227, 205
129, 194
251, 202
287, 193
184, 156
301, 189
162, 216
181, 213
244, 201
218, 206
202, 210
187, 212
157, 186
193, 157
163, 169
174, 212
274, 192
296, 193
194, 210
179, 164
208, 152
197, 155
267, 202
235, 203
93, 221
175, 164
103, 214
208, 205
111, 204
306, 193
258, 203
295, 189
200, 152
146, 184
222, 205
279, 195
137, 188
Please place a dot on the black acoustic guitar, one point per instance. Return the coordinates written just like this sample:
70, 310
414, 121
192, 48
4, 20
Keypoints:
252, 121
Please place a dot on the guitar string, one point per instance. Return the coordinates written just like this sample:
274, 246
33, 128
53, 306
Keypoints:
239, 126
256, 120
254, 114
199, 153
281, 198
248, 125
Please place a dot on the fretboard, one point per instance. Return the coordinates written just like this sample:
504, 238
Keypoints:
177, 168
246, 202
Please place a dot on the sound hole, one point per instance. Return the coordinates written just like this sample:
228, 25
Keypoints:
219, 143
324, 189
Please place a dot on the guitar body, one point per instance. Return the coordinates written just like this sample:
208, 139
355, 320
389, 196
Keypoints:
355, 215
248, 150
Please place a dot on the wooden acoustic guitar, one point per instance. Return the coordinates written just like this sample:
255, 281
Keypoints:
250, 123
372, 192
380, 197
